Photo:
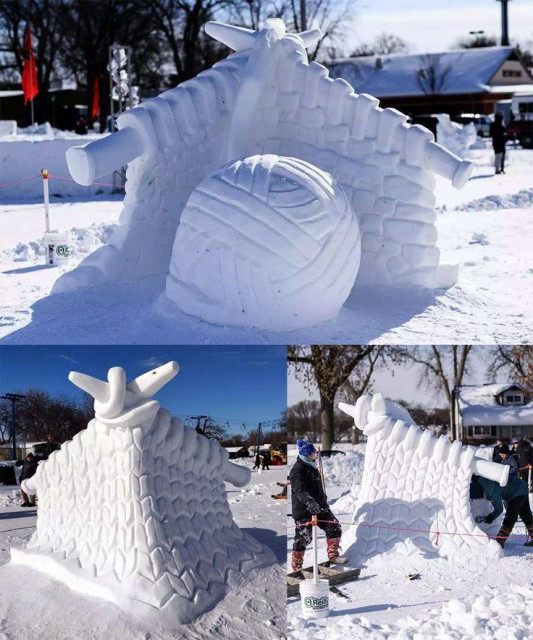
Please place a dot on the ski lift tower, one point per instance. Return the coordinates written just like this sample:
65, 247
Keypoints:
119, 91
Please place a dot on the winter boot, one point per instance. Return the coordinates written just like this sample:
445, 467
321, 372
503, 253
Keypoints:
297, 561
529, 542
503, 535
334, 545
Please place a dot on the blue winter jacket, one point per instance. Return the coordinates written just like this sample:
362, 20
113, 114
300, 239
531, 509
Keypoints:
496, 494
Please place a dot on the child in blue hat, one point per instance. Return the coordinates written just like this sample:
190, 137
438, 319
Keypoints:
308, 499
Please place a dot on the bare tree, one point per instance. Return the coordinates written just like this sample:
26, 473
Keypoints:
383, 44
181, 23
517, 362
45, 18
443, 368
434, 74
328, 368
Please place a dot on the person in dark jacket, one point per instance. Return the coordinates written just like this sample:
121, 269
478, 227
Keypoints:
515, 495
499, 136
509, 459
29, 467
496, 451
309, 499
48, 447
524, 453
266, 460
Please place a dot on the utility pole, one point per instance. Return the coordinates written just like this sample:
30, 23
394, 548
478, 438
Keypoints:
258, 438
13, 398
303, 15
505, 24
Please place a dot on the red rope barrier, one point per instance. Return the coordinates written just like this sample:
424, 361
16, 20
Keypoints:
100, 184
437, 533
15, 182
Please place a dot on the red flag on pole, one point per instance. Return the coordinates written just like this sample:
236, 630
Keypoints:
96, 99
29, 71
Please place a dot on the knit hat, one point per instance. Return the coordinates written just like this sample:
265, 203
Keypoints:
305, 447
505, 449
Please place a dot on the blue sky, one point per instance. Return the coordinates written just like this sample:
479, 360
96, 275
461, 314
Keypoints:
242, 384
431, 25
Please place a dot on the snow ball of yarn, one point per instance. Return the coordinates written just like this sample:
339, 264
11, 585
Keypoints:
268, 242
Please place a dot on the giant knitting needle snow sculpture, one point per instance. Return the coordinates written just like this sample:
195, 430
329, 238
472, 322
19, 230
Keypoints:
263, 185
415, 487
133, 509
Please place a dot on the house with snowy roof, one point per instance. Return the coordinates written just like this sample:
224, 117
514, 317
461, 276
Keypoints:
491, 411
454, 82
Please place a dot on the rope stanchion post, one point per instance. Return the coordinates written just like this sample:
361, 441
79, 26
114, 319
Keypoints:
314, 525
46, 191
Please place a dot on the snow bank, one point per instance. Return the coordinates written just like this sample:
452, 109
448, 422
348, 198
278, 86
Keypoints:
81, 241
24, 159
521, 200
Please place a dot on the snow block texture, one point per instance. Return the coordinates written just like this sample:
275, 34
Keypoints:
268, 99
134, 510
414, 495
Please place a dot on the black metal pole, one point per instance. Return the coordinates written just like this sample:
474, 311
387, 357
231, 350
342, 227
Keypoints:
13, 397
505, 24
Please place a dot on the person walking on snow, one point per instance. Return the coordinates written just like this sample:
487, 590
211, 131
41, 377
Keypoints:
524, 454
515, 495
498, 133
309, 499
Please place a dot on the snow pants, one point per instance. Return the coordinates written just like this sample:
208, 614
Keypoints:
518, 506
304, 535
499, 161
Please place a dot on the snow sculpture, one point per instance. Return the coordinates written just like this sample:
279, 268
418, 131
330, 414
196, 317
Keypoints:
457, 138
266, 99
133, 509
278, 206
415, 488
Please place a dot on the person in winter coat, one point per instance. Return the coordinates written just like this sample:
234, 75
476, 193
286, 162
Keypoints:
48, 447
29, 467
509, 459
524, 453
309, 499
496, 451
499, 136
515, 495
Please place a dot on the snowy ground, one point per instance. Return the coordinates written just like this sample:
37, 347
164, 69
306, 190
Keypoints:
475, 598
34, 606
486, 228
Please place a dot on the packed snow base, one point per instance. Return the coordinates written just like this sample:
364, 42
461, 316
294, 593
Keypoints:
475, 597
133, 509
415, 488
267, 101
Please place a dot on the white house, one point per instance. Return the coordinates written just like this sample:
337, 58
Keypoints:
491, 411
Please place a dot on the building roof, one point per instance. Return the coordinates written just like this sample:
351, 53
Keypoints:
477, 406
471, 71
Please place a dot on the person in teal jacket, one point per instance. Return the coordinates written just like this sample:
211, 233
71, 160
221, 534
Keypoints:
515, 495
